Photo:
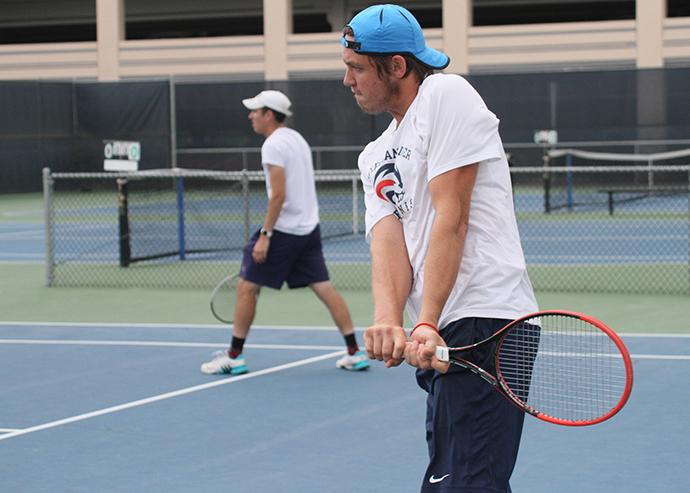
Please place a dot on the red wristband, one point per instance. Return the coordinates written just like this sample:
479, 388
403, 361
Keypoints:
424, 324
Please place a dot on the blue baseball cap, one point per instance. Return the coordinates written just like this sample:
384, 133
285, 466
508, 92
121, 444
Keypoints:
390, 29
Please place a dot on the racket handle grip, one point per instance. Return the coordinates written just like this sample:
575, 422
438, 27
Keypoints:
442, 353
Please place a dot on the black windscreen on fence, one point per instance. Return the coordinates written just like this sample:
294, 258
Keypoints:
62, 124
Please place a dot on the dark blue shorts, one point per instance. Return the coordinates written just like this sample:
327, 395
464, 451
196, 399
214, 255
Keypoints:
295, 259
472, 431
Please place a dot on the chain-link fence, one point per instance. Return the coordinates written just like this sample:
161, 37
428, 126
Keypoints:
587, 229
604, 229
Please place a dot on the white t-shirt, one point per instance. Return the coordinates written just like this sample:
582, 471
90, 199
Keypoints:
448, 126
286, 148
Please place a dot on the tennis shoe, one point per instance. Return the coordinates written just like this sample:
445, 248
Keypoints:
354, 362
222, 364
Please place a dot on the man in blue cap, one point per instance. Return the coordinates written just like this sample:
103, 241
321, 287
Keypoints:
444, 242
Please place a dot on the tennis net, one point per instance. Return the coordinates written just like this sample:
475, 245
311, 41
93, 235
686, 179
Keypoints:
181, 213
649, 175
178, 220
185, 229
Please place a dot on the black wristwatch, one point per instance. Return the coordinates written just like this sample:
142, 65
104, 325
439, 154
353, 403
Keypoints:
266, 233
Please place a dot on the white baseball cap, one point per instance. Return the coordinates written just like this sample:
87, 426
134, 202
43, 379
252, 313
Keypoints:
274, 100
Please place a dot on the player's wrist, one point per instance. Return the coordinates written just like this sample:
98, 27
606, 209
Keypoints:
384, 318
426, 325
266, 233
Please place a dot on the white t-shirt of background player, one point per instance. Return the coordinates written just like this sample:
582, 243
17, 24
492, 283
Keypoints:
286, 148
448, 126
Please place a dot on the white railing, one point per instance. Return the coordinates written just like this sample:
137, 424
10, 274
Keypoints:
321, 53
676, 40
491, 48
241, 55
49, 61
539, 46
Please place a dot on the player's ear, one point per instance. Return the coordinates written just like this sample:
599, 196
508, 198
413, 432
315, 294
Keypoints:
398, 66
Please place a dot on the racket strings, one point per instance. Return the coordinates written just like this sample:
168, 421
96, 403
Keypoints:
564, 367
223, 299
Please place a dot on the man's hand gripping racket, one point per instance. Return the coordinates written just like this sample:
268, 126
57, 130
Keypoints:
562, 367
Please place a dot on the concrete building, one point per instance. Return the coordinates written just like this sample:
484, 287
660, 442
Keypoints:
110, 40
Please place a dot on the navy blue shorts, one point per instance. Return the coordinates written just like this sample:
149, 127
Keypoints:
295, 259
472, 431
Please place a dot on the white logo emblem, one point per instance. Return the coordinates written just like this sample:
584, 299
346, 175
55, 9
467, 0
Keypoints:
434, 480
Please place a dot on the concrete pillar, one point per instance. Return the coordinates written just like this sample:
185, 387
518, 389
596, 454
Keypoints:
277, 27
338, 15
110, 30
457, 19
652, 95
650, 15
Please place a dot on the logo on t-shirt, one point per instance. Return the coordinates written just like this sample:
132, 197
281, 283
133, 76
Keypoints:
389, 187
388, 183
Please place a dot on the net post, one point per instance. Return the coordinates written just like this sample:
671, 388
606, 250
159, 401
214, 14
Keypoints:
123, 222
179, 200
49, 225
547, 182
355, 207
173, 123
569, 182
650, 175
245, 198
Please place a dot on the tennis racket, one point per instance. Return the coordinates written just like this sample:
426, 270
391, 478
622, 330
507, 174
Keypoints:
562, 367
223, 299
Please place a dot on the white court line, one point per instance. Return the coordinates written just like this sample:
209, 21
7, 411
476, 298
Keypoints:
23, 256
316, 328
679, 357
8, 430
80, 325
652, 335
27, 234
23, 213
83, 342
168, 395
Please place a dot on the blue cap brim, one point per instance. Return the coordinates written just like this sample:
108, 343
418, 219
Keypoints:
433, 58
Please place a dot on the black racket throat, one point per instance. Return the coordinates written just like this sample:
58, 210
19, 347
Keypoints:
487, 376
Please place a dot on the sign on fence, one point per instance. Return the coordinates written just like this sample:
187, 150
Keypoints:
120, 155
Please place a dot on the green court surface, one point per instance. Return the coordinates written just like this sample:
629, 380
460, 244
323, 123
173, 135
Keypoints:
21, 207
23, 297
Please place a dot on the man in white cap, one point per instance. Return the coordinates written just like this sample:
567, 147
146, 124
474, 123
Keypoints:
444, 242
287, 248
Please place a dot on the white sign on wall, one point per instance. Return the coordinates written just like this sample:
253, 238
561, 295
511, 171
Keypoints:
546, 137
121, 155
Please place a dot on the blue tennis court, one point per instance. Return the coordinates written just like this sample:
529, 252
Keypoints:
623, 242
122, 407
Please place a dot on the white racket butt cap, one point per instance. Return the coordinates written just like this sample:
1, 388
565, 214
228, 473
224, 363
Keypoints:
442, 353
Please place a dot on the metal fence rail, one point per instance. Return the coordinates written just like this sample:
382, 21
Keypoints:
605, 229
